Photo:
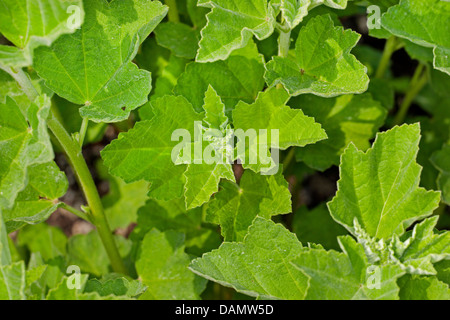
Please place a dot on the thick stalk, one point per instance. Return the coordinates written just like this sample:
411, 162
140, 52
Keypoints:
84, 177
418, 81
173, 11
81, 170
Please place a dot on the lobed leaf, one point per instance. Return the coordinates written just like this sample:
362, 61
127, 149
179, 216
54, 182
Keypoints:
424, 22
29, 24
322, 64
380, 188
107, 41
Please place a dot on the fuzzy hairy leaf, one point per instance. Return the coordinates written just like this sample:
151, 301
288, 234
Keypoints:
87, 252
423, 248
195, 178
202, 179
424, 22
347, 275
240, 77
145, 151
29, 24
107, 41
231, 24
39, 199
272, 264
172, 215
235, 207
12, 281
269, 113
423, 288
380, 188
322, 64
24, 141
259, 266
163, 267
348, 118
179, 38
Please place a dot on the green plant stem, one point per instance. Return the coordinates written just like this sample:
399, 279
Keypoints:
81, 170
76, 212
417, 83
289, 157
173, 11
284, 43
83, 130
84, 177
392, 45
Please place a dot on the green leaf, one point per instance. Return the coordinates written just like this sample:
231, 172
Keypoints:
443, 271
423, 288
179, 38
24, 141
116, 286
260, 265
235, 207
269, 113
240, 77
10, 88
107, 41
162, 266
441, 160
202, 179
63, 292
87, 252
323, 64
424, 22
5, 253
12, 281
50, 242
231, 24
167, 81
35, 282
344, 276
294, 11
145, 152
172, 215
29, 24
317, 226
379, 189
197, 14
346, 119
271, 263
423, 248
13, 57
123, 200
39, 199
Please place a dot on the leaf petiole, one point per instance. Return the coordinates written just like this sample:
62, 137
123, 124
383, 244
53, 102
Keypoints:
417, 83
392, 44
76, 212
284, 43
83, 130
